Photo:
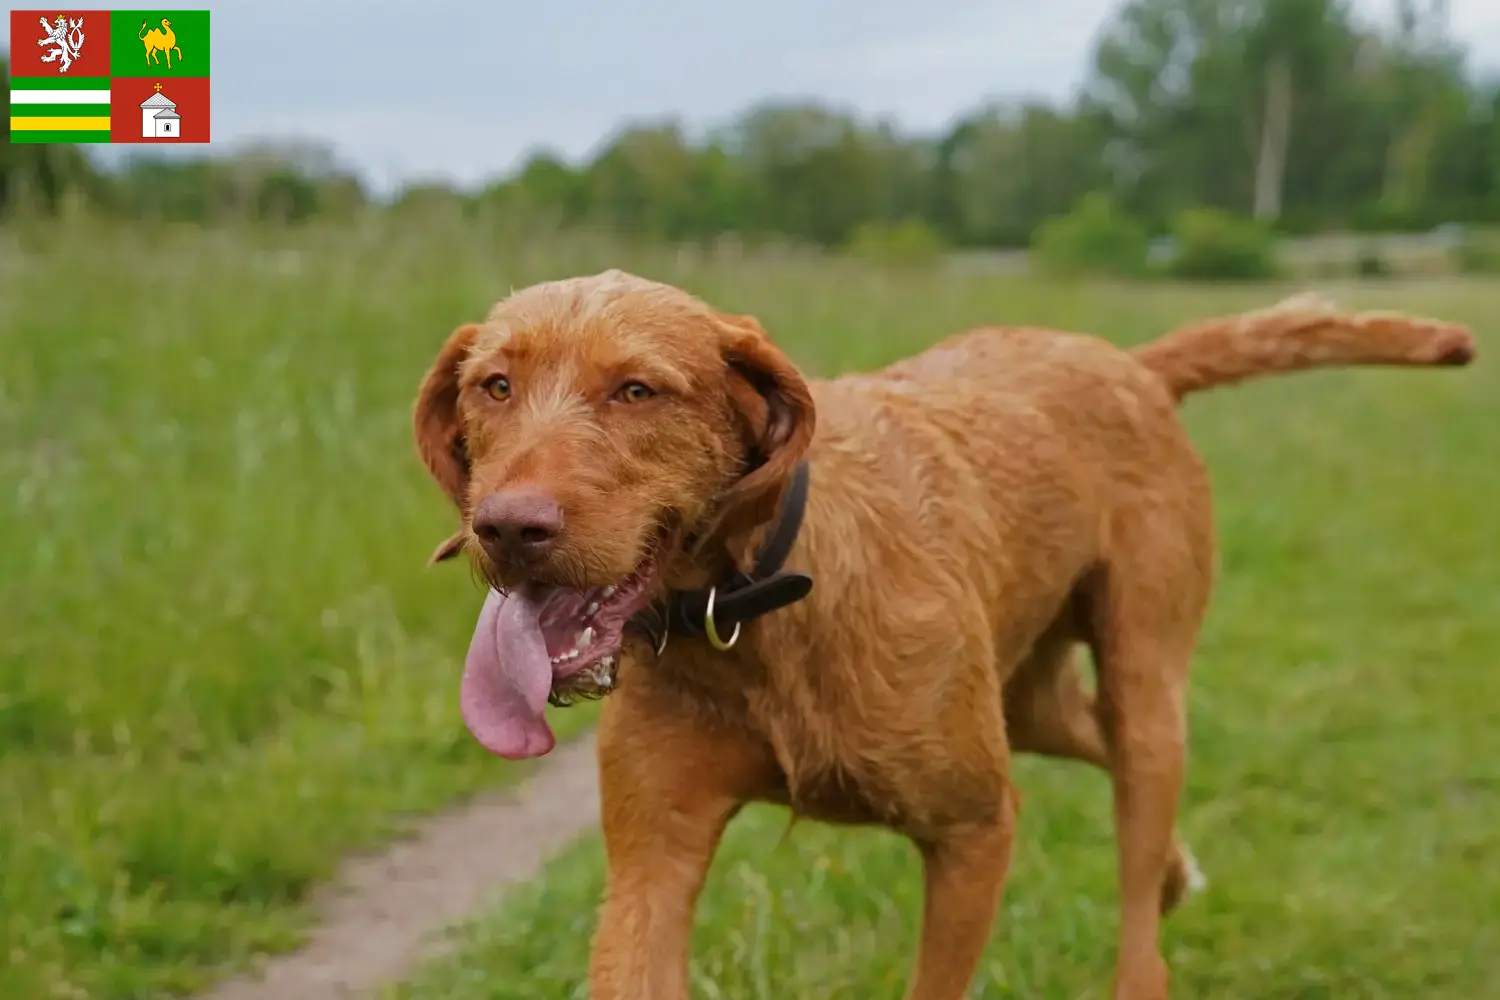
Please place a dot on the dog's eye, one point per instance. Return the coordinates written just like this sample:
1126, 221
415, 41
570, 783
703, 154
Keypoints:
634, 392
496, 387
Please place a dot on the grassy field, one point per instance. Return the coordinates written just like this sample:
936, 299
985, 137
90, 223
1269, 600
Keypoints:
1343, 796
222, 664
221, 661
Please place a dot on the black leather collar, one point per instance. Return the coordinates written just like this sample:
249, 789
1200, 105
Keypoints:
742, 597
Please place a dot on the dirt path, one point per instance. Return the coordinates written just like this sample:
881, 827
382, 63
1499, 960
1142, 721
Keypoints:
387, 912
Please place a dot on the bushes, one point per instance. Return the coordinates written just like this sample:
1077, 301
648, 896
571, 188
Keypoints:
1096, 238
1478, 252
1369, 262
1213, 245
907, 243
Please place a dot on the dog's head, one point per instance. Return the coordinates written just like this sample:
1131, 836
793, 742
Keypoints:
587, 431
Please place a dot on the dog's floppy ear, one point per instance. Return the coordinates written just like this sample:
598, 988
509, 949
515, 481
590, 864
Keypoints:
776, 415
435, 422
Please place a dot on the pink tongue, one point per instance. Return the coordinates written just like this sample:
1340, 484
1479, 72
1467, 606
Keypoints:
507, 677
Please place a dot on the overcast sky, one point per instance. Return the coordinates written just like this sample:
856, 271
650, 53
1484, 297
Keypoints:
464, 89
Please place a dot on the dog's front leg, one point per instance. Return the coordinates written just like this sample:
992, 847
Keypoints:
668, 787
964, 873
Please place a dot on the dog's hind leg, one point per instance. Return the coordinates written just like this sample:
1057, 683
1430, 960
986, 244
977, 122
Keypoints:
1147, 602
1049, 711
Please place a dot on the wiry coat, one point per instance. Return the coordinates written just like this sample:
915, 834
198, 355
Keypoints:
976, 513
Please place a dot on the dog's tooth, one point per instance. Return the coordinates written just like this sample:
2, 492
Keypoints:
585, 638
593, 606
607, 591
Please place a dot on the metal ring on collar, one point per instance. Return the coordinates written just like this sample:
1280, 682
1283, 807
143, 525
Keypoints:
713, 633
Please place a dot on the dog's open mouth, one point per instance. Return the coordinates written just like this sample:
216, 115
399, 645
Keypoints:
539, 643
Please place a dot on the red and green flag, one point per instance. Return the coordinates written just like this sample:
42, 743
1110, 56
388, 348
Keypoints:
109, 76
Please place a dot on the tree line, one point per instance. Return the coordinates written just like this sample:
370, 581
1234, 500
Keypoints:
1288, 111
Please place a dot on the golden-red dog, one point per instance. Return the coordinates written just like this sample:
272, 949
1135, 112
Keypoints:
974, 513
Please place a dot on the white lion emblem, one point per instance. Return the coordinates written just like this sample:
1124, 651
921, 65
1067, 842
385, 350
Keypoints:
68, 41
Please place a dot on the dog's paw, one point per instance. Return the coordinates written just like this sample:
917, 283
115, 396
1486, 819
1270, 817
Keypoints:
1184, 878
1196, 880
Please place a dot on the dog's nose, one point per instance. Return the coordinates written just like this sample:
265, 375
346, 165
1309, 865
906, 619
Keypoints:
517, 527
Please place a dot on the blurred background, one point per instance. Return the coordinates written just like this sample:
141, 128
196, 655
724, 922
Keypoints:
862, 125
223, 667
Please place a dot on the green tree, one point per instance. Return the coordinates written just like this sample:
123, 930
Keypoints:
1006, 168
1293, 46
1169, 78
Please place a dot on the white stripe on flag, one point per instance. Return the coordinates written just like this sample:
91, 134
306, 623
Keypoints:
59, 97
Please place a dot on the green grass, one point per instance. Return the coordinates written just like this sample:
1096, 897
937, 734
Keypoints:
222, 664
1343, 795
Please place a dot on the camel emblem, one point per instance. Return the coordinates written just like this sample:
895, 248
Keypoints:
67, 36
159, 40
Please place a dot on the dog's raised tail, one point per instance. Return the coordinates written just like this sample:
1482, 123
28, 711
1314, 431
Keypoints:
1296, 334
